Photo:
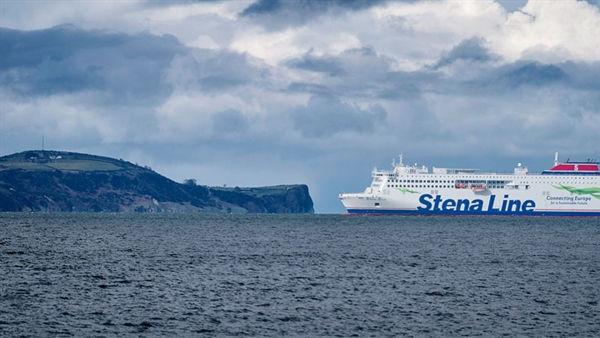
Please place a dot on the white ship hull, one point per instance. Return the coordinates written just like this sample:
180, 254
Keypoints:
414, 191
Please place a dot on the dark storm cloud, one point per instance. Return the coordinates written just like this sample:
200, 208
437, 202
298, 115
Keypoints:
351, 63
68, 59
325, 115
277, 14
327, 65
275, 6
534, 74
467, 50
360, 72
262, 7
510, 78
219, 70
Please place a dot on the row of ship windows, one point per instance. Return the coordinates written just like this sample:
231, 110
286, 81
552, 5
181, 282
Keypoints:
586, 178
452, 182
420, 181
436, 186
475, 181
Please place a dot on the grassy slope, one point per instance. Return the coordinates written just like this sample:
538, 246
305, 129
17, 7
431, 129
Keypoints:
251, 199
62, 160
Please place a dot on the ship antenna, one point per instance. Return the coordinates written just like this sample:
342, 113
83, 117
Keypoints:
556, 158
400, 164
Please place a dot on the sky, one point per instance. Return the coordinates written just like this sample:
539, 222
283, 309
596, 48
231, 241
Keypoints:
268, 92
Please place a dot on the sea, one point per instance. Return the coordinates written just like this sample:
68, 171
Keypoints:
192, 275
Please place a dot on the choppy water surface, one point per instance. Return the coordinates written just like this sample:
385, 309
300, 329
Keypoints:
311, 275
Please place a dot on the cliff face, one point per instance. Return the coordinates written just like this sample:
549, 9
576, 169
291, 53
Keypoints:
71, 182
275, 200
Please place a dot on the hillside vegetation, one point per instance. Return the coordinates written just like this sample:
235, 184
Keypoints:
56, 181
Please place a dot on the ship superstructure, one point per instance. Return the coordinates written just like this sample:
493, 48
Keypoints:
567, 189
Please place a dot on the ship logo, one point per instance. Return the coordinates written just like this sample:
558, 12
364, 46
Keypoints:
404, 190
594, 192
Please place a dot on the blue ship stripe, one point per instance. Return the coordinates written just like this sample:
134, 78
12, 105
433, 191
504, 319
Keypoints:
470, 213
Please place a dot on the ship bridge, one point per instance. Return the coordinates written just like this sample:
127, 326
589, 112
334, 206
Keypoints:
454, 171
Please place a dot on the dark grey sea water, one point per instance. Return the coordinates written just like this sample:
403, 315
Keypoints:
105, 275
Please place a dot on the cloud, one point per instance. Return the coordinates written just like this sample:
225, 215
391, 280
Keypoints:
549, 32
279, 14
356, 72
294, 90
535, 74
229, 122
327, 116
214, 71
67, 59
37, 15
326, 65
467, 50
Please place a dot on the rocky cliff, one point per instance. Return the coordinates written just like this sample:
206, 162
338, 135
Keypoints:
54, 181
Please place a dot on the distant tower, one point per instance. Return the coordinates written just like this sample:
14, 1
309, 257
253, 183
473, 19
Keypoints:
42, 142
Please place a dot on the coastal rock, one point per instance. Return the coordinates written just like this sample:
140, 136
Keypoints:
55, 181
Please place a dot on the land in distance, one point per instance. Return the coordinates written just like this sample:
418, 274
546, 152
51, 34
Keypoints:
60, 181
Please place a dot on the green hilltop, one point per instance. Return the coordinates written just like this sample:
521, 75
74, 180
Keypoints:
62, 160
60, 181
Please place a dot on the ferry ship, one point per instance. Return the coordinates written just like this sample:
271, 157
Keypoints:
567, 189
